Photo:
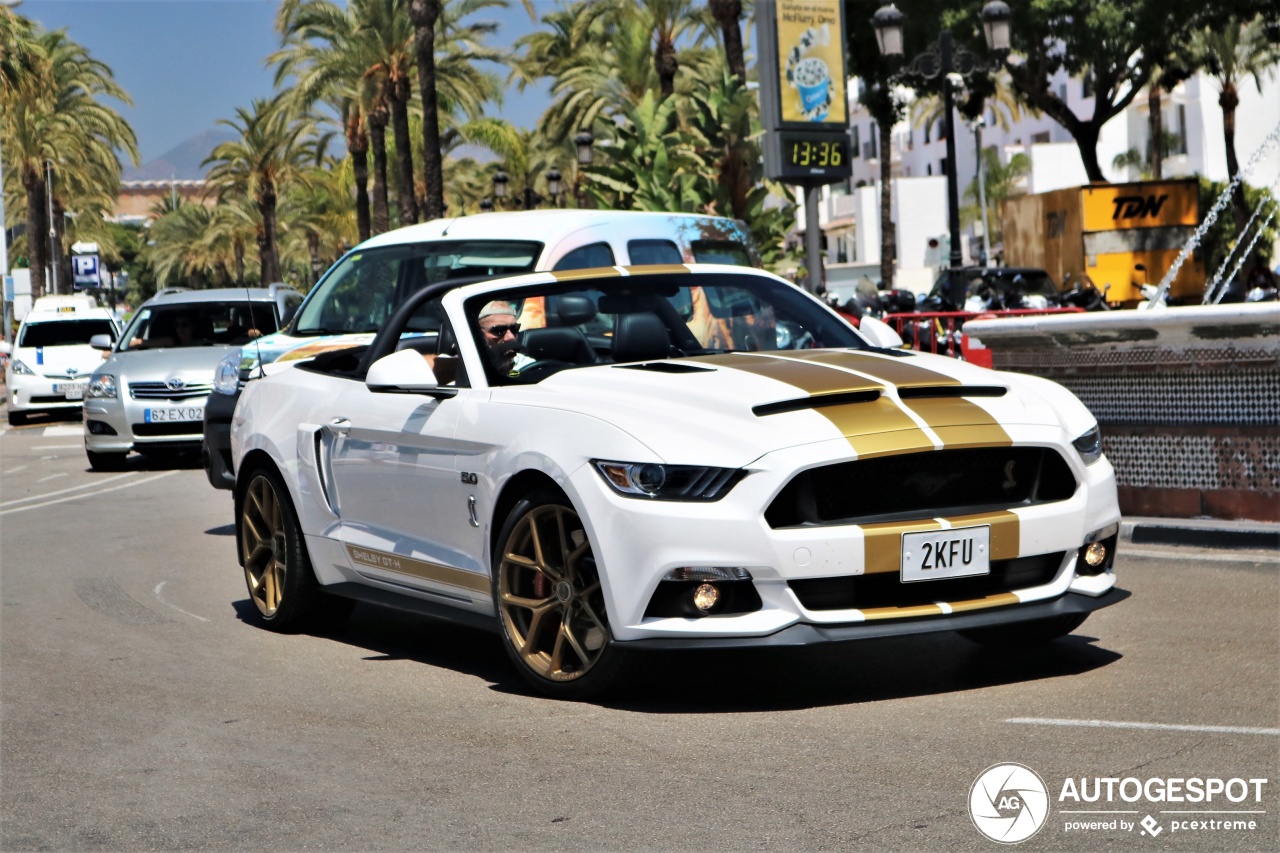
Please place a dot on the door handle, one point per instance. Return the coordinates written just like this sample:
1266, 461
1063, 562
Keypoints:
340, 426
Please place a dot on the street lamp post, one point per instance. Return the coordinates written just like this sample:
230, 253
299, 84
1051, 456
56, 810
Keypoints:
53, 230
944, 59
982, 190
583, 143
553, 185
500, 180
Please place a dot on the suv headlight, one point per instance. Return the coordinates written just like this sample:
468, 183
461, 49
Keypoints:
226, 378
1089, 446
668, 482
103, 386
21, 369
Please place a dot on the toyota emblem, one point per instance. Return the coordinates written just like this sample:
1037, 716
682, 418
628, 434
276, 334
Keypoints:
175, 384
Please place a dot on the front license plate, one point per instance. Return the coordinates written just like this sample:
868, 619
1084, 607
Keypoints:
937, 554
184, 413
71, 390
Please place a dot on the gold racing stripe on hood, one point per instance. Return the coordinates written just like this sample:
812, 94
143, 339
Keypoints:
882, 543
891, 370
809, 379
959, 422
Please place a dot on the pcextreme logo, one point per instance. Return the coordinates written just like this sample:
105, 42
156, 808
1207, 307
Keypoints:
1008, 803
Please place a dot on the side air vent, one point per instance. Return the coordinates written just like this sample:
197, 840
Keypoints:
816, 402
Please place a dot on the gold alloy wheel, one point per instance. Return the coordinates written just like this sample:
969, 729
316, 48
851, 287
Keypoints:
549, 594
265, 548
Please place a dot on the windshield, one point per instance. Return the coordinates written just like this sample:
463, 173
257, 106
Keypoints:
61, 333
363, 290
530, 334
195, 324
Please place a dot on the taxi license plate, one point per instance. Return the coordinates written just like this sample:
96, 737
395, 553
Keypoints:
938, 554
184, 413
71, 390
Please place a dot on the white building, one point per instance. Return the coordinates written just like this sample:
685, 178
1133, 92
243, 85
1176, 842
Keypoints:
850, 212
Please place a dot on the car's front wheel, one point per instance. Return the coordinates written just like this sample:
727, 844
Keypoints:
547, 587
1026, 633
277, 570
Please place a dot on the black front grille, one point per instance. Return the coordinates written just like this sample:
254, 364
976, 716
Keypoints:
885, 589
44, 399
161, 391
195, 428
922, 485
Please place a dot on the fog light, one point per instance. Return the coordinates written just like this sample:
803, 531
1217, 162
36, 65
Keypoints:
1095, 554
705, 597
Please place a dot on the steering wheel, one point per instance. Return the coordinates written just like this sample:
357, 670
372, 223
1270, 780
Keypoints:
539, 370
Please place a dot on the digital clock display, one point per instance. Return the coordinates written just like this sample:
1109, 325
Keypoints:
831, 153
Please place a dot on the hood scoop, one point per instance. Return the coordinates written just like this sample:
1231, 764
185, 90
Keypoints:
819, 401
921, 391
666, 367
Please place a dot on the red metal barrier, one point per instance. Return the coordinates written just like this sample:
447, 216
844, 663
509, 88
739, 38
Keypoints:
939, 332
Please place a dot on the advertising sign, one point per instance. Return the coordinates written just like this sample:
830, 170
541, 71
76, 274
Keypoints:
810, 49
84, 270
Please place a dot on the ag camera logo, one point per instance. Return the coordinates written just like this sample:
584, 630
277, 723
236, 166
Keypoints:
1008, 803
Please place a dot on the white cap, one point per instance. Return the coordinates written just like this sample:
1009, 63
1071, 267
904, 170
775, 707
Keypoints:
499, 307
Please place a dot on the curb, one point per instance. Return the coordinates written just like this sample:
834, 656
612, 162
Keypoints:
1202, 533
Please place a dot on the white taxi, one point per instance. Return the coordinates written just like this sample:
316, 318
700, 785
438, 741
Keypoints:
49, 367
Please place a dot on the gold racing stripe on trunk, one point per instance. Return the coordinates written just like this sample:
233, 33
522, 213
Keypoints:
882, 543
596, 272
656, 269
418, 569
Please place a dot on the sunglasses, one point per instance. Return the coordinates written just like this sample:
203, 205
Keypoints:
500, 331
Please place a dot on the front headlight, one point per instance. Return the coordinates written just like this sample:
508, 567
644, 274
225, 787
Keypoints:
1089, 446
226, 378
668, 482
21, 369
103, 386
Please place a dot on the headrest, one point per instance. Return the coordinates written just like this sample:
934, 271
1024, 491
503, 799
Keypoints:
574, 310
640, 337
557, 344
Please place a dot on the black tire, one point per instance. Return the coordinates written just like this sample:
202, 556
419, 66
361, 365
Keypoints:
106, 461
17, 418
551, 608
1032, 633
277, 570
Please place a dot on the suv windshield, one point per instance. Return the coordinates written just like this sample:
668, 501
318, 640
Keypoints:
194, 324
531, 333
367, 286
61, 333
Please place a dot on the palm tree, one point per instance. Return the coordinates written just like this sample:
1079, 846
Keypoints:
1240, 49
270, 154
52, 117
727, 14
424, 14
1001, 181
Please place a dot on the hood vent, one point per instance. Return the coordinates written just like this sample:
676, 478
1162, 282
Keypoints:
665, 367
952, 391
817, 402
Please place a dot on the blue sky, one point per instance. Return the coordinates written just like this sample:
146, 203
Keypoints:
188, 63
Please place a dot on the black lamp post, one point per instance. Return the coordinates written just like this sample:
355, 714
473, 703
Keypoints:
553, 185
486, 205
583, 142
500, 180
952, 63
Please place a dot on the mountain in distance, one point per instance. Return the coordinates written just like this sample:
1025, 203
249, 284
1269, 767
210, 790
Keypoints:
182, 162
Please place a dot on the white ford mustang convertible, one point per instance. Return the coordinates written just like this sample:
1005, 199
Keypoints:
702, 456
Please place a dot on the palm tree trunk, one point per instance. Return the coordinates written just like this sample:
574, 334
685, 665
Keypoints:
727, 14
1155, 129
666, 64
378, 142
424, 14
358, 147
888, 231
404, 153
1229, 99
37, 228
269, 261
239, 249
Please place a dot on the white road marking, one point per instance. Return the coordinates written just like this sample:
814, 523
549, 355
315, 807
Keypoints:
159, 587
52, 477
63, 431
1163, 727
1203, 555
16, 470
88, 494
64, 491
57, 447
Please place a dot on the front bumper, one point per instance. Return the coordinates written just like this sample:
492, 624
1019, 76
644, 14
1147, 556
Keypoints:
215, 448
113, 425
807, 634
37, 393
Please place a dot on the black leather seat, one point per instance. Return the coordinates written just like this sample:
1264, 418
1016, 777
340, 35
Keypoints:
640, 337
557, 344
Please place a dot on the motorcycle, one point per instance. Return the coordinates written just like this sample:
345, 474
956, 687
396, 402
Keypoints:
1083, 294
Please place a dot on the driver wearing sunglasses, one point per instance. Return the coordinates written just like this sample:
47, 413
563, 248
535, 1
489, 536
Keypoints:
500, 328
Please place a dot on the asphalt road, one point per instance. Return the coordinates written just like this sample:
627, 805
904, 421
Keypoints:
142, 711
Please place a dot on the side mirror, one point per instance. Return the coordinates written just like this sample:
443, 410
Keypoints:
404, 372
100, 342
880, 333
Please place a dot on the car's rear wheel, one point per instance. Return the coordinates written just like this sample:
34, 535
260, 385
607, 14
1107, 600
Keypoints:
106, 461
277, 570
1026, 633
547, 587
